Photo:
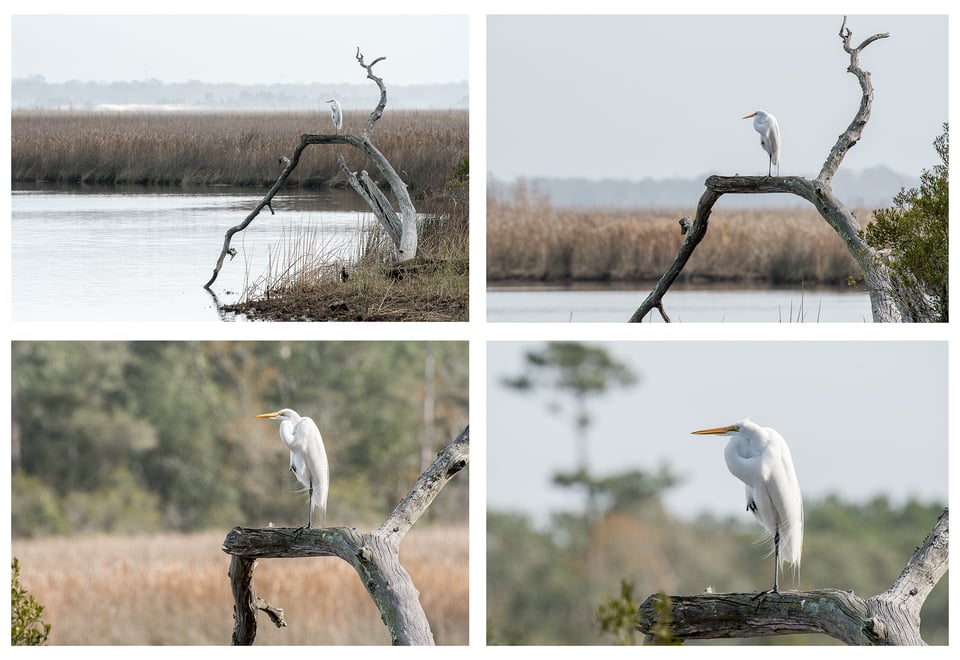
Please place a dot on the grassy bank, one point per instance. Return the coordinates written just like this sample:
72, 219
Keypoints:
240, 149
530, 240
303, 284
174, 589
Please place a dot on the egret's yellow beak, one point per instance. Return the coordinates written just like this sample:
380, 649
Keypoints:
749, 116
720, 430
269, 415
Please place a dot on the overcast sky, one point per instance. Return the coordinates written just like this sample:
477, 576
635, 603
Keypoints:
861, 419
241, 49
631, 97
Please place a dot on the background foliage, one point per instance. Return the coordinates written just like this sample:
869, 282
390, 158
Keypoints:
125, 437
915, 233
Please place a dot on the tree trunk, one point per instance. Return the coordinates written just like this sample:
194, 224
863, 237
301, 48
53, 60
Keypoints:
375, 556
884, 301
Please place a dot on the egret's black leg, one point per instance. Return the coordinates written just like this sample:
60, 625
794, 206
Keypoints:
310, 507
776, 569
776, 561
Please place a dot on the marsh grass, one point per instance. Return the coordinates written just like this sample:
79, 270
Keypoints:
238, 149
174, 589
303, 282
303, 257
528, 239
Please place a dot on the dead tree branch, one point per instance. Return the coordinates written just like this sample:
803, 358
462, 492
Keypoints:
402, 227
373, 555
883, 299
889, 618
852, 135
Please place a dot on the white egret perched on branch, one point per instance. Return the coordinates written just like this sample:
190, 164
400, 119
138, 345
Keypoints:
766, 125
759, 457
336, 114
308, 459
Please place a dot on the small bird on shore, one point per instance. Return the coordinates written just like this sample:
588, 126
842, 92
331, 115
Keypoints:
308, 458
766, 125
336, 114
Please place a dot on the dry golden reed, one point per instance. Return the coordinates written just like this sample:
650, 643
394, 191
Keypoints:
174, 589
532, 240
238, 149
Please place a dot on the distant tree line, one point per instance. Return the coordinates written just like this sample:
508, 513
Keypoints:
35, 92
143, 436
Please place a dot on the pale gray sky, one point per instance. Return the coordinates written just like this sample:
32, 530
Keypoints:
631, 97
240, 49
861, 418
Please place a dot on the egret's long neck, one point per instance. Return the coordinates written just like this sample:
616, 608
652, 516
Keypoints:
286, 433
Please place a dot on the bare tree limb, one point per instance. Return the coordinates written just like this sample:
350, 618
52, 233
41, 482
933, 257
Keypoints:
448, 463
885, 305
852, 135
890, 618
694, 235
378, 111
402, 228
291, 163
373, 555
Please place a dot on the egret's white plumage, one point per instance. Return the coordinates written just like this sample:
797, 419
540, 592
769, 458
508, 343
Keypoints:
336, 114
308, 459
759, 457
769, 129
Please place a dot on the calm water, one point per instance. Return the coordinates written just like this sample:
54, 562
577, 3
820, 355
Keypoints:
711, 305
146, 256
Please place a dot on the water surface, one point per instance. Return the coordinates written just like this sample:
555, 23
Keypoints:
80, 256
715, 305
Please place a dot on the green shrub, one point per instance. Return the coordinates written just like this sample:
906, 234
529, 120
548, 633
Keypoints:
914, 235
26, 626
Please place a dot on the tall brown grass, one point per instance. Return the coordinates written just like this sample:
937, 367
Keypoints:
174, 589
528, 239
240, 149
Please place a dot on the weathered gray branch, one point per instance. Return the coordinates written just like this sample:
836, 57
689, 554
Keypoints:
447, 465
289, 166
889, 618
402, 229
883, 301
407, 242
852, 135
373, 555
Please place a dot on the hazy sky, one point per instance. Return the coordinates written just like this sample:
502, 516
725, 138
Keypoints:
241, 49
861, 419
662, 96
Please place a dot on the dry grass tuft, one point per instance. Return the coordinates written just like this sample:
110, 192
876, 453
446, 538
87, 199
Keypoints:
174, 589
531, 240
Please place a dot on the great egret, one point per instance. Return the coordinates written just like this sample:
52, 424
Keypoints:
766, 125
335, 113
308, 459
759, 457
